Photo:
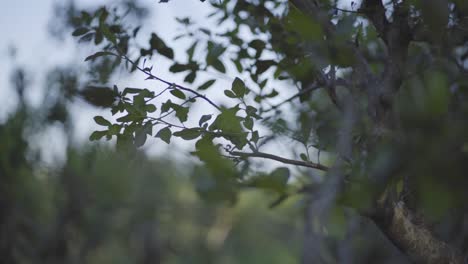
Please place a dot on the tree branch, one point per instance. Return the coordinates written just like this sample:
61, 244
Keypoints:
304, 91
402, 227
307, 164
178, 86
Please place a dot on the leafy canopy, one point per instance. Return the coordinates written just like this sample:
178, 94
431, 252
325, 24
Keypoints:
377, 87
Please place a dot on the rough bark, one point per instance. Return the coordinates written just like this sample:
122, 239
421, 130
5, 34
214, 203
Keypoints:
394, 219
412, 237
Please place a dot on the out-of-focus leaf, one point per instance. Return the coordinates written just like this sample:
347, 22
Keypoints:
102, 121
203, 119
207, 84
96, 135
80, 31
188, 134
97, 55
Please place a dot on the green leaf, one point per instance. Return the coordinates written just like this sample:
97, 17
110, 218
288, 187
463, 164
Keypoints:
307, 27
98, 54
131, 91
206, 85
103, 14
257, 44
304, 157
178, 93
107, 33
147, 93
114, 129
203, 119
181, 112
165, 135
206, 31
191, 50
188, 134
151, 108
166, 106
255, 137
238, 87
98, 38
96, 135
166, 52
86, 37
275, 181
126, 118
158, 44
140, 137
86, 17
116, 29
219, 66
227, 122
238, 65
248, 123
80, 31
229, 94
252, 111
272, 94
177, 67
263, 65
190, 77
281, 174
124, 141
102, 121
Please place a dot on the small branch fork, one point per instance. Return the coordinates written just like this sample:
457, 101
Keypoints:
178, 86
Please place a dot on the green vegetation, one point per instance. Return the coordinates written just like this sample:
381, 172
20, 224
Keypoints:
367, 103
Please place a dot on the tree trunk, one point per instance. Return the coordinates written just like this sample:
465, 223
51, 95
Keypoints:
412, 237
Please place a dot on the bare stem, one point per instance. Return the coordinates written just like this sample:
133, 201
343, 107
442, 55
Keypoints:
308, 164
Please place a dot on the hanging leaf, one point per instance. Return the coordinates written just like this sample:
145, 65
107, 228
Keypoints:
190, 77
165, 135
218, 65
188, 134
207, 84
248, 123
238, 87
229, 94
178, 93
181, 112
97, 135
151, 108
108, 34
140, 138
98, 54
80, 31
203, 119
102, 121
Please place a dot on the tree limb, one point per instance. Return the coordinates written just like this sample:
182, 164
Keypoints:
308, 164
180, 87
413, 238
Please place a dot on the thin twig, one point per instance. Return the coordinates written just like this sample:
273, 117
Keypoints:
280, 159
302, 92
178, 86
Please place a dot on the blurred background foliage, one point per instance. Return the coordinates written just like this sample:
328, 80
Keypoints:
106, 206
99, 205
